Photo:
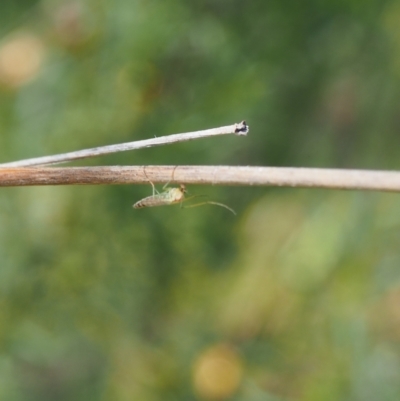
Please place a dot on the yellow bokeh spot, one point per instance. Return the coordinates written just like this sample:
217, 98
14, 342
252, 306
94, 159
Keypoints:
21, 57
217, 373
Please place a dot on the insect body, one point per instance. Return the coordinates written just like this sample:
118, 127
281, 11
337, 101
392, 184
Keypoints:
168, 197
171, 196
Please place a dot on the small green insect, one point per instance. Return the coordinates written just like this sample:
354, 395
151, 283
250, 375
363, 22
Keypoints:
171, 196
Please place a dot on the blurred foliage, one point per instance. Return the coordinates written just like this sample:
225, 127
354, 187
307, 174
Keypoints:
298, 298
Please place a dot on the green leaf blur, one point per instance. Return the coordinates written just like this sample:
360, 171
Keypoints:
296, 298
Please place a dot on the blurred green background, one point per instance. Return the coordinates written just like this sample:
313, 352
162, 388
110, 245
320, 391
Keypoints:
296, 298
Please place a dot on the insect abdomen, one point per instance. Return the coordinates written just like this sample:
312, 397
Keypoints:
150, 201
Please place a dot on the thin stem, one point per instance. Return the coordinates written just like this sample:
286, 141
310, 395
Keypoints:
238, 129
208, 175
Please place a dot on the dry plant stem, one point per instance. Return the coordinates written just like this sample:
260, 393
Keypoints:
238, 129
207, 175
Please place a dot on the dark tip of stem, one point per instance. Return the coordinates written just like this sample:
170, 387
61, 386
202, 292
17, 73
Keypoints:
242, 128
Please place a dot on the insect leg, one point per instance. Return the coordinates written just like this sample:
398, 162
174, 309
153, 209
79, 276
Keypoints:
212, 203
154, 188
172, 178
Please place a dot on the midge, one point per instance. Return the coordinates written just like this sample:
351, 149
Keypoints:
171, 196
168, 197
